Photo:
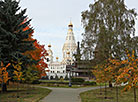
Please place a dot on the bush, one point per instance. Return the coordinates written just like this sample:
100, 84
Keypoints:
56, 77
89, 83
77, 80
45, 78
36, 82
66, 78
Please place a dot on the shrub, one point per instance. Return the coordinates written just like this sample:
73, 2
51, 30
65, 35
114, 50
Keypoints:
89, 83
66, 78
77, 80
36, 82
56, 77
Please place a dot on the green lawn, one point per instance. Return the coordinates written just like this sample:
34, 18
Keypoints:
26, 94
63, 86
96, 96
54, 80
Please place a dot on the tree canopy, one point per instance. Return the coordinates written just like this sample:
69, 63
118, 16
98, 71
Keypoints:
109, 28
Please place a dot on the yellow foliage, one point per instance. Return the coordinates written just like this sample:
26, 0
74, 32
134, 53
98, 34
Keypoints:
17, 72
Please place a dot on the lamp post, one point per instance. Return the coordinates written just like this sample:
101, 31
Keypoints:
70, 78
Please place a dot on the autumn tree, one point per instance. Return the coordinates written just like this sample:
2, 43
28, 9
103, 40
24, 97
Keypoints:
112, 69
98, 73
38, 56
12, 36
102, 75
124, 71
109, 26
18, 74
129, 73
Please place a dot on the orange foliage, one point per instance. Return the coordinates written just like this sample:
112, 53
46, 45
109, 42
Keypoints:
3, 73
126, 70
129, 73
38, 54
101, 73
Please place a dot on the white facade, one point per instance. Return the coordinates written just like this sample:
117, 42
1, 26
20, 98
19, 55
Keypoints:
57, 68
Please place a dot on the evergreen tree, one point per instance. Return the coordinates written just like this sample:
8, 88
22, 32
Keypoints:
109, 26
12, 35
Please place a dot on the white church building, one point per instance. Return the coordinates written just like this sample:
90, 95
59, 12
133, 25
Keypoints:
57, 68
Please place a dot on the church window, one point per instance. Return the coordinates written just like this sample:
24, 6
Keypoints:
51, 71
69, 37
73, 37
48, 60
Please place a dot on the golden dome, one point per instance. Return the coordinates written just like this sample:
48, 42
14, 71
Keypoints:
56, 57
49, 45
70, 25
68, 52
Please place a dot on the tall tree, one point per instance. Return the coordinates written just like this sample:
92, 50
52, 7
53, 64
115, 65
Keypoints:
109, 26
12, 35
38, 55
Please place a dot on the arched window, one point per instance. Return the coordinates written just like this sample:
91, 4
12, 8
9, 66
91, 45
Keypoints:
51, 77
61, 77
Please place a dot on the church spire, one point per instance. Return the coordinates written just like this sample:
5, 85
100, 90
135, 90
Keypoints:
70, 24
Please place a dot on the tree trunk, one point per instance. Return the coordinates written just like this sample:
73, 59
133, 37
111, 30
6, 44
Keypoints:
116, 93
18, 89
4, 87
100, 89
110, 84
105, 92
134, 94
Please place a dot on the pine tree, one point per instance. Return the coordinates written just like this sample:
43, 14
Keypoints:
109, 26
12, 35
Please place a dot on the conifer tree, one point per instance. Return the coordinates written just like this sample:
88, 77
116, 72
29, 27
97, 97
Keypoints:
12, 35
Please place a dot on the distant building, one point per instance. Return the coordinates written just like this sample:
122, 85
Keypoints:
57, 68
83, 67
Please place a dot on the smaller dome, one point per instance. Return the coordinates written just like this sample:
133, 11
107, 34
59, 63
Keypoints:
68, 52
56, 57
49, 45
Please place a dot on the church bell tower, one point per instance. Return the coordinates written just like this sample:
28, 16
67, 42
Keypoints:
69, 46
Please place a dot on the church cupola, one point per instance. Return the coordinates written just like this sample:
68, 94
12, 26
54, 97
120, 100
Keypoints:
70, 25
49, 46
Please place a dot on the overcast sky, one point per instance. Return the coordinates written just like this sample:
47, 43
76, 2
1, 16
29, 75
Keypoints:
50, 19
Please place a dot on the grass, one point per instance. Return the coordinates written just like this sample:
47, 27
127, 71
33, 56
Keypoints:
54, 80
63, 86
96, 96
47, 83
26, 93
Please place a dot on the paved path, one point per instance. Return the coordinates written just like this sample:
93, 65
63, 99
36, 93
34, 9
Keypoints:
65, 94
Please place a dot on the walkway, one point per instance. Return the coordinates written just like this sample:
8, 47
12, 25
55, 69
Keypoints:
65, 94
